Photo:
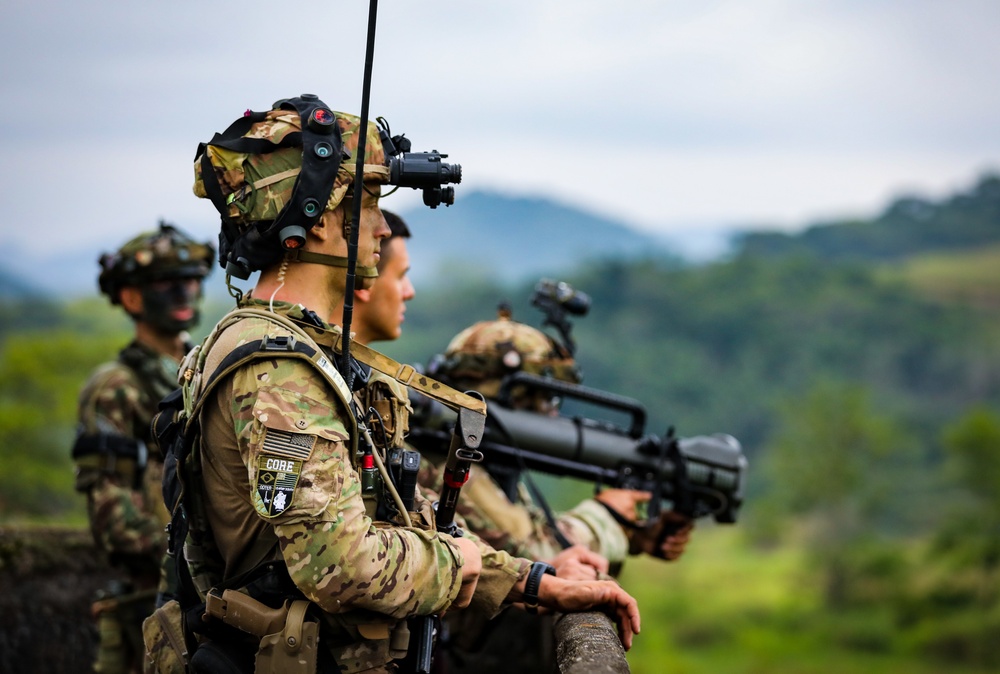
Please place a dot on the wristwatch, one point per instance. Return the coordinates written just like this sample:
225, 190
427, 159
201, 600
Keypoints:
534, 581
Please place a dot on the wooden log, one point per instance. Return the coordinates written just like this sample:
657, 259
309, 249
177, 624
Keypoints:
587, 643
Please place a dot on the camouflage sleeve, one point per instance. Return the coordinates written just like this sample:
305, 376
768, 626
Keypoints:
301, 479
121, 522
590, 524
124, 519
522, 530
501, 571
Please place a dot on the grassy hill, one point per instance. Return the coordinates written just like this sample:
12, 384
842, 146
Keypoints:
969, 277
908, 226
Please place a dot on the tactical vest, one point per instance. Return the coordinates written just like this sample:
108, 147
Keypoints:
177, 430
107, 451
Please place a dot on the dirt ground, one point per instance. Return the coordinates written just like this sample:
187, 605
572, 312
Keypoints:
48, 580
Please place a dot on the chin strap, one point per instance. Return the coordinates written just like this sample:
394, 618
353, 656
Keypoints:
299, 255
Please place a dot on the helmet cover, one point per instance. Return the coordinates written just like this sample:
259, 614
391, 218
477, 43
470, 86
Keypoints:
163, 254
483, 354
260, 186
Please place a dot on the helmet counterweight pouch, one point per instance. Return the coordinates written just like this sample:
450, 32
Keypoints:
243, 250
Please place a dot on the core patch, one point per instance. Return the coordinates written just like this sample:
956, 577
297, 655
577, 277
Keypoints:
274, 484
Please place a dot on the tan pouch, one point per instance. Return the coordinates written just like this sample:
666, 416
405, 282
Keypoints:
163, 635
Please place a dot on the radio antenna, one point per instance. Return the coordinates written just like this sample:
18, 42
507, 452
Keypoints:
359, 189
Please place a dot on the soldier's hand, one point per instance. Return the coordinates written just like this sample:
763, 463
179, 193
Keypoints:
579, 563
625, 502
573, 596
471, 569
666, 539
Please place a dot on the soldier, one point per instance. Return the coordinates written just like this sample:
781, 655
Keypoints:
156, 277
379, 310
479, 358
284, 510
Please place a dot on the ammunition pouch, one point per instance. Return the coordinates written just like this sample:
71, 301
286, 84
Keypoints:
102, 453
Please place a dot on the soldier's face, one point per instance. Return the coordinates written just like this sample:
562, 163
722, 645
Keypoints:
373, 228
170, 305
380, 314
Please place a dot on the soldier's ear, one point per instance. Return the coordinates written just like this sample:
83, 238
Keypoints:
131, 299
327, 225
363, 295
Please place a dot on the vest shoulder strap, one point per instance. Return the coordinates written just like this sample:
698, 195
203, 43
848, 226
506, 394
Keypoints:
406, 375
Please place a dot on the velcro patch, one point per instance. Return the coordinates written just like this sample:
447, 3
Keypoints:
274, 484
283, 443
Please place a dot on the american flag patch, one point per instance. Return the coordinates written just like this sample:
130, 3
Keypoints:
292, 445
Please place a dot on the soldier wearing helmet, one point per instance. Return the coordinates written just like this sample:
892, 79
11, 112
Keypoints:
480, 358
286, 517
156, 278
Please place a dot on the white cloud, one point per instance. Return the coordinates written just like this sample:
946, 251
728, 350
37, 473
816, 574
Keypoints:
663, 114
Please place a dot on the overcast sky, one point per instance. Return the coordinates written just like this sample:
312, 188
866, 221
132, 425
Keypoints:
667, 115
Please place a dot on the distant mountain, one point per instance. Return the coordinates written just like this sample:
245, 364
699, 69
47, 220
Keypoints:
484, 235
14, 285
507, 238
909, 226
71, 273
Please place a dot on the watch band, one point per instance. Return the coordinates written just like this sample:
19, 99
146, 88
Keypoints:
533, 583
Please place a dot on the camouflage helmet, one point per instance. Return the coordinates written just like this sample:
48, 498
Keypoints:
271, 175
480, 356
166, 253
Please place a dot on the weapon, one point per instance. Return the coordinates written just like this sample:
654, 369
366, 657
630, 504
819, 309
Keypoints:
698, 476
463, 451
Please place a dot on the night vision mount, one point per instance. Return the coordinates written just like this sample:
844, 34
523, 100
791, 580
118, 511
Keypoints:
419, 170
556, 299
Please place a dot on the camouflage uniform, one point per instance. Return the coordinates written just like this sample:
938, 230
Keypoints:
364, 576
272, 485
478, 358
117, 466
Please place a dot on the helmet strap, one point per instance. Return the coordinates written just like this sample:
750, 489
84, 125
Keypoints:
300, 255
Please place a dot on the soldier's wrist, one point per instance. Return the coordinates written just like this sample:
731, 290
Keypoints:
533, 584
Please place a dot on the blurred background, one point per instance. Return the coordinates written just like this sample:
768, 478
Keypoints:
788, 219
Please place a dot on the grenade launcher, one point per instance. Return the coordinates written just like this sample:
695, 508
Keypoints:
696, 476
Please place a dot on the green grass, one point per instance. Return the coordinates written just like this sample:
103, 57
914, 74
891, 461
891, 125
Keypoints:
730, 608
971, 277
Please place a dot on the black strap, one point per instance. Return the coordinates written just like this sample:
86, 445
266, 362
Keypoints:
108, 444
618, 517
536, 495
259, 145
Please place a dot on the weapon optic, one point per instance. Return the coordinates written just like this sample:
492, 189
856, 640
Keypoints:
697, 476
